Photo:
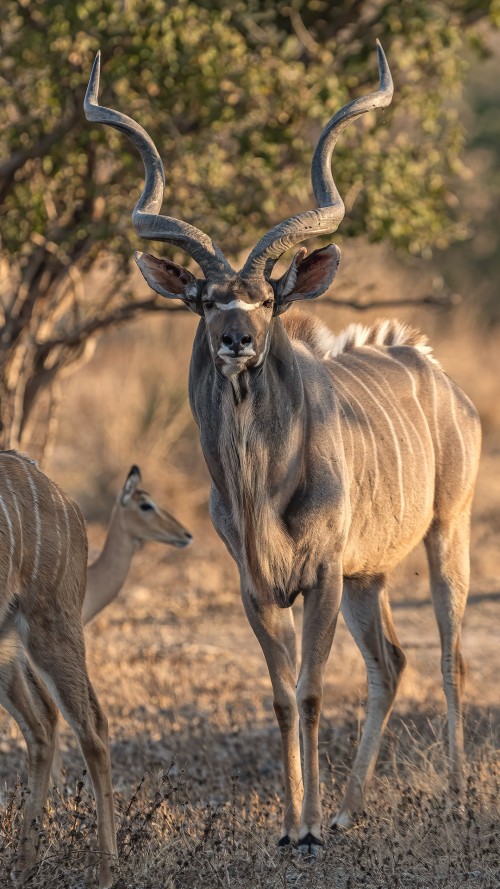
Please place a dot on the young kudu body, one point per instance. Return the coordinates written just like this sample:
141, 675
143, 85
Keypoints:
330, 457
43, 563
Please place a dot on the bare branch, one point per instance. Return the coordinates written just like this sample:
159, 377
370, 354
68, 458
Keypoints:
75, 338
303, 35
439, 300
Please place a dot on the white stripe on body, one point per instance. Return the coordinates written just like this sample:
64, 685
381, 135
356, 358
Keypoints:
439, 449
66, 520
417, 400
18, 513
403, 416
393, 433
368, 424
38, 524
12, 540
59, 538
346, 425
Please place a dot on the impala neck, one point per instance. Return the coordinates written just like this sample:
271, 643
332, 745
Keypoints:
106, 576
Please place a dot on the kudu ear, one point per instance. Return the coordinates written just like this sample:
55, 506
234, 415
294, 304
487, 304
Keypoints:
307, 277
170, 280
133, 479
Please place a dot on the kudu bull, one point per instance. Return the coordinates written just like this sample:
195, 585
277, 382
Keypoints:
331, 458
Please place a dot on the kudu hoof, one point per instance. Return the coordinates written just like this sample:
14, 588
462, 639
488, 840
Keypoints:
285, 841
310, 847
342, 821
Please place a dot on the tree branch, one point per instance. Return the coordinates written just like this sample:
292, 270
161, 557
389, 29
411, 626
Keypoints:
440, 301
40, 148
77, 337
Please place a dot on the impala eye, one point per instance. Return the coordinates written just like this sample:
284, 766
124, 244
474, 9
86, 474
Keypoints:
268, 304
145, 506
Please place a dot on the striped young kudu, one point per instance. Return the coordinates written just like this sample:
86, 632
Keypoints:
331, 458
43, 564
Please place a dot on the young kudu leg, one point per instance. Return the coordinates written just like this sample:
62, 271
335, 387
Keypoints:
447, 547
61, 661
321, 608
368, 616
274, 629
27, 700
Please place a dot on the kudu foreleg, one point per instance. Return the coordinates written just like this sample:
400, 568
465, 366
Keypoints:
274, 629
321, 608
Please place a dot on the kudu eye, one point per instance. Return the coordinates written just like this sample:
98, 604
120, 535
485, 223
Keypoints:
209, 304
145, 506
268, 304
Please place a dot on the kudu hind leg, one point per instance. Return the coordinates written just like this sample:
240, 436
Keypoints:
61, 661
448, 554
367, 613
26, 699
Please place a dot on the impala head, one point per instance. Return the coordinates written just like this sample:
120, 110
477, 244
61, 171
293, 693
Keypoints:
144, 520
238, 307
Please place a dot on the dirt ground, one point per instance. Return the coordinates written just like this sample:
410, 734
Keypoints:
195, 746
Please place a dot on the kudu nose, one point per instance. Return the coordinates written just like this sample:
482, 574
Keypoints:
237, 341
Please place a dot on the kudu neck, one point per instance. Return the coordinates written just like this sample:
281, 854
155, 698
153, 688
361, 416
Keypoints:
268, 409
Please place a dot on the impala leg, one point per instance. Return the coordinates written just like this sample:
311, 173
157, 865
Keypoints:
274, 629
367, 613
56, 770
61, 661
27, 700
321, 608
447, 547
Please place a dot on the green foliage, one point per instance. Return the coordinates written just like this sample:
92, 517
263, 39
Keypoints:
234, 95
473, 269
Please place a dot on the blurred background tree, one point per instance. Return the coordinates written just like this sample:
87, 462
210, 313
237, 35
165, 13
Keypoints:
235, 96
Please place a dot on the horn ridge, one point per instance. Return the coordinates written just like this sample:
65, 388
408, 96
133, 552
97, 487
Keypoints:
330, 211
146, 217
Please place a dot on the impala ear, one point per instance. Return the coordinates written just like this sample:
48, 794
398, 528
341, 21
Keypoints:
170, 280
307, 277
133, 479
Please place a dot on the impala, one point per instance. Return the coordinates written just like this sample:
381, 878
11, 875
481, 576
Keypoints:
43, 565
136, 518
331, 457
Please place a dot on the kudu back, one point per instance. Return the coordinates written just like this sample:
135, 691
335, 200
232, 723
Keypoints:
330, 457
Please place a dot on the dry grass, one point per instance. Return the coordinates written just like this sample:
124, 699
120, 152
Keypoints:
195, 746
